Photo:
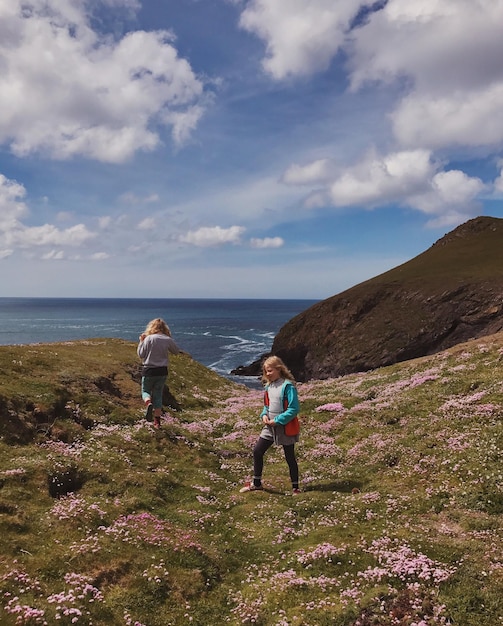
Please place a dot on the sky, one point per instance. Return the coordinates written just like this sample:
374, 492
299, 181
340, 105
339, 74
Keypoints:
240, 148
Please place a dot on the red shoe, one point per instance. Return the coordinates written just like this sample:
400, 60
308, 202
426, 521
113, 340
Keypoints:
250, 487
157, 422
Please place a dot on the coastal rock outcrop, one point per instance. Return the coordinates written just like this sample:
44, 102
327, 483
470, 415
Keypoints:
449, 294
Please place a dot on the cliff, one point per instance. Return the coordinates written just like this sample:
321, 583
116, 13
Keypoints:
448, 294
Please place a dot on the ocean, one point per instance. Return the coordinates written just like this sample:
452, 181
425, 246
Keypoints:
221, 334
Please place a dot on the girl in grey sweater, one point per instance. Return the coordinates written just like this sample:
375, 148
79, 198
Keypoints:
155, 345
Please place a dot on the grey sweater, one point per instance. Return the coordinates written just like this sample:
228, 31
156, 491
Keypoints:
154, 350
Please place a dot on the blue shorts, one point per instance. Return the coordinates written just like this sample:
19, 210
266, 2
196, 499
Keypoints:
152, 388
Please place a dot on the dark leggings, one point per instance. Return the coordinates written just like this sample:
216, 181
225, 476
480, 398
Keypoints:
261, 448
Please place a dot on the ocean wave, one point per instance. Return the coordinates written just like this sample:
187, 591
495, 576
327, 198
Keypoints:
220, 334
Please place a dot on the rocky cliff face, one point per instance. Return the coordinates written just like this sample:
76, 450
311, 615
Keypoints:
449, 294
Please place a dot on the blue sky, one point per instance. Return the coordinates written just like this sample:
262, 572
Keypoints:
240, 148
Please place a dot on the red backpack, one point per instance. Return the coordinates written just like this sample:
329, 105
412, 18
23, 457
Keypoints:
292, 427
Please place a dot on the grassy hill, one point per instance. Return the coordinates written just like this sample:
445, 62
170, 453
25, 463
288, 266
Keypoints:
105, 521
449, 294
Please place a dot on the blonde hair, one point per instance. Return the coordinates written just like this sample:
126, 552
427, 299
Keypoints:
276, 363
157, 326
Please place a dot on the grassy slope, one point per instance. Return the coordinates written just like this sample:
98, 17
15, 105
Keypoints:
400, 519
472, 252
412, 309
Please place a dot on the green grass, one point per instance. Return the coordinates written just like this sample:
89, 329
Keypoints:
399, 521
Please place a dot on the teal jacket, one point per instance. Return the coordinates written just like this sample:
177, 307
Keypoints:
290, 401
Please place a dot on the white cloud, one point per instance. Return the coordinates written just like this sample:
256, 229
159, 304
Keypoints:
380, 180
5, 253
316, 172
301, 37
451, 197
441, 45
443, 58
407, 178
460, 118
448, 55
456, 187
104, 222
53, 255
12, 208
132, 5
64, 216
46, 235
183, 122
15, 234
65, 90
267, 242
213, 236
148, 223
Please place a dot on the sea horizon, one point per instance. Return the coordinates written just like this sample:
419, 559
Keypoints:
144, 298
221, 333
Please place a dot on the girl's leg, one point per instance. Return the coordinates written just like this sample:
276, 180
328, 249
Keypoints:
145, 389
292, 465
146, 394
259, 450
157, 389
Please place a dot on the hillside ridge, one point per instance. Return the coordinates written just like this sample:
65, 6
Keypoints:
448, 294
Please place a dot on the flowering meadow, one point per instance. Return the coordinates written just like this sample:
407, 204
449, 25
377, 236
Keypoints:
106, 521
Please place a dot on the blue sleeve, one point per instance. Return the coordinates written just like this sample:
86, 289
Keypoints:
293, 405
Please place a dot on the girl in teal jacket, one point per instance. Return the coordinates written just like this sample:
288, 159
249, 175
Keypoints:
279, 415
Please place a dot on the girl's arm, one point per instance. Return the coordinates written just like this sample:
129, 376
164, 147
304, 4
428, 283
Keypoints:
265, 410
142, 350
173, 347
